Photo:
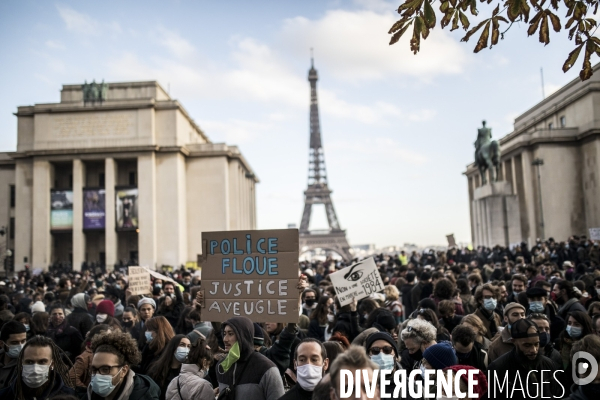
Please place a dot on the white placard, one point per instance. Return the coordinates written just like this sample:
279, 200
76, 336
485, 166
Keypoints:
357, 281
594, 233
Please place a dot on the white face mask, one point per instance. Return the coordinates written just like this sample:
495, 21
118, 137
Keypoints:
330, 317
101, 317
35, 375
309, 376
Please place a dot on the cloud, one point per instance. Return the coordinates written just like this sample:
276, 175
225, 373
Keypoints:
378, 148
175, 43
377, 5
52, 44
78, 22
235, 131
354, 44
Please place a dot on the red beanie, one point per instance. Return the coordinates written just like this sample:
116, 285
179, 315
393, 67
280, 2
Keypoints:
481, 387
106, 307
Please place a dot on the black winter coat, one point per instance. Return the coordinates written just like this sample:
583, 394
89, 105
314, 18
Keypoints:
81, 320
280, 351
67, 338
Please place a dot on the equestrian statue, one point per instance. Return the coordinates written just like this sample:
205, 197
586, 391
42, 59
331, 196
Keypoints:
487, 154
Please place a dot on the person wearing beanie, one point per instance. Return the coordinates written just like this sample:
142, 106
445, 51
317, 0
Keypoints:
436, 357
502, 344
381, 349
105, 312
515, 368
37, 307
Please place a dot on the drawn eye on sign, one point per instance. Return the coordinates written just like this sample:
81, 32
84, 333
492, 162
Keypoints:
354, 274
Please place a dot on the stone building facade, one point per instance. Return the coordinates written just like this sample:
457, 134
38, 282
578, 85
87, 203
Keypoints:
130, 178
563, 133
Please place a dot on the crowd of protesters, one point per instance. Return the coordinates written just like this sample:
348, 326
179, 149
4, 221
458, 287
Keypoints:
516, 312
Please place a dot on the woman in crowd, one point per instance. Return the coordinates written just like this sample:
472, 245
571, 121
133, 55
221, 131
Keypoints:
417, 337
429, 316
105, 314
115, 354
158, 333
318, 319
129, 321
39, 323
474, 322
25, 319
168, 365
67, 338
393, 303
579, 324
80, 371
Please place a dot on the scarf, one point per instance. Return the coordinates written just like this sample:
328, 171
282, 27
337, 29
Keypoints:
489, 315
58, 330
78, 301
232, 357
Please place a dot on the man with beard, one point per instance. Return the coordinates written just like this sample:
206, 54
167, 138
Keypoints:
519, 284
524, 373
565, 298
502, 344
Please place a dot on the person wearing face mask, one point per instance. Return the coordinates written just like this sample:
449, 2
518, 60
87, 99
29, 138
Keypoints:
191, 382
309, 301
12, 339
311, 364
41, 373
105, 312
579, 325
589, 344
503, 343
171, 306
157, 334
546, 344
112, 377
80, 371
168, 365
67, 338
539, 303
79, 318
486, 298
436, 357
417, 337
522, 360
382, 350
130, 320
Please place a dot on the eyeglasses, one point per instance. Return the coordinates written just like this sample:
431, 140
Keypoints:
104, 370
376, 350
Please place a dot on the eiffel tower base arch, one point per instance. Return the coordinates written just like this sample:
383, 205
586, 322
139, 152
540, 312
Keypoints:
332, 241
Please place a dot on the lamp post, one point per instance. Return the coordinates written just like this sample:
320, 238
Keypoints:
538, 162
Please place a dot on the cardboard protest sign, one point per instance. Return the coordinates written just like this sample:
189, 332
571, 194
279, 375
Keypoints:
594, 233
139, 280
357, 281
451, 240
250, 273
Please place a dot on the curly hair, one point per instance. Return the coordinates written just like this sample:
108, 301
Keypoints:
444, 289
420, 331
488, 286
120, 344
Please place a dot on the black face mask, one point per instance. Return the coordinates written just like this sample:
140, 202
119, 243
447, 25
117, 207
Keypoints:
463, 356
309, 302
128, 324
417, 356
544, 339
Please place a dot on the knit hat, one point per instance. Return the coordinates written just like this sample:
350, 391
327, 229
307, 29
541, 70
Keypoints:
512, 305
259, 336
536, 292
385, 321
440, 355
106, 307
381, 336
480, 388
146, 300
38, 306
519, 330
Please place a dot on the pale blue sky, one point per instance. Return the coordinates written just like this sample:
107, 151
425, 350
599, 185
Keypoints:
398, 129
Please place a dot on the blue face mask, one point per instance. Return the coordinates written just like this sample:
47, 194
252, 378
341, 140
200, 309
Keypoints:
118, 287
385, 361
574, 331
102, 384
15, 350
536, 306
27, 328
181, 353
148, 336
490, 304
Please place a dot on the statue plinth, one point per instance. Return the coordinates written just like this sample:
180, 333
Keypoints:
496, 215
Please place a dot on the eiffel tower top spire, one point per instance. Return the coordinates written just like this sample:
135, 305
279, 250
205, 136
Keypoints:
317, 174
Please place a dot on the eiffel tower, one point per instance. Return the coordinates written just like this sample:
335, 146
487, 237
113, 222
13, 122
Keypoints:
318, 192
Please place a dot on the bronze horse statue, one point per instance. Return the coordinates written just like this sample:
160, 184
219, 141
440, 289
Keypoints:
487, 154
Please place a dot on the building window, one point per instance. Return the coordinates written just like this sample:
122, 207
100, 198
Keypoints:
101, 180
550, 126
132, 179
12, 196
11, 234
70, 181
563, 121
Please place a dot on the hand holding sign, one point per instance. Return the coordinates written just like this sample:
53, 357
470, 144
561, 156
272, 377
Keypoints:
357, 281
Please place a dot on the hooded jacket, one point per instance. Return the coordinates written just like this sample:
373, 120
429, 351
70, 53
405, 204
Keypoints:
135, 387
192, 385
254, 376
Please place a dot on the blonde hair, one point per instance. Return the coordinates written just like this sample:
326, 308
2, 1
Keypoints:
391, 292
476, 322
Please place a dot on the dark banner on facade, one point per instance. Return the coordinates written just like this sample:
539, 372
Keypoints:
61, 210
94, 209
127, 209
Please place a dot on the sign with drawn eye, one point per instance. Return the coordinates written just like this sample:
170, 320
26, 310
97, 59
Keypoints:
357, 281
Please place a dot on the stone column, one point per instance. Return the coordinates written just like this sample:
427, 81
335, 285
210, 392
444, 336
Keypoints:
110, 235
78, 235
23, 213
146, 167
528, 192
41, 238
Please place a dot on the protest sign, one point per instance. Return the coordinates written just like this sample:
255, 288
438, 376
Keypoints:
594, 233
451, 240
357, 281
250, 273
139, 280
